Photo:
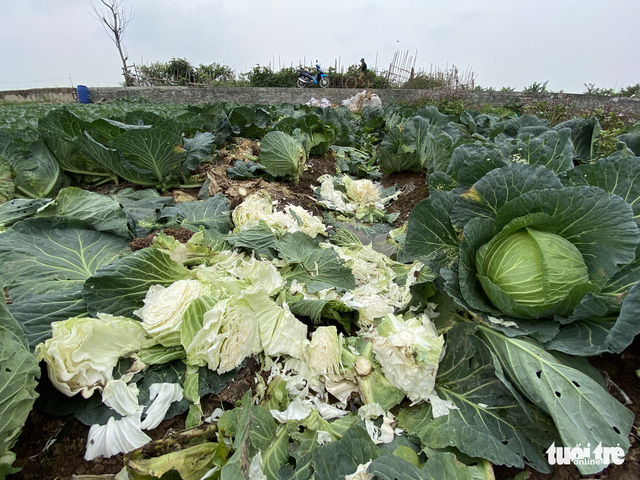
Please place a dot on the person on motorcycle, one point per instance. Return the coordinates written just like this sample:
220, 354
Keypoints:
363, 72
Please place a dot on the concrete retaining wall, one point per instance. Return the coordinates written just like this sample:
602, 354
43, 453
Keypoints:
40, 95
274, 96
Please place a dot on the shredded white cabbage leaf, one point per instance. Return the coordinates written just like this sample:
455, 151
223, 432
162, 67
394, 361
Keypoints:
121, 397
116, 436
163, 395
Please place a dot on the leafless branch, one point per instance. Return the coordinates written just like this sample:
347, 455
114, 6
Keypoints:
114, 19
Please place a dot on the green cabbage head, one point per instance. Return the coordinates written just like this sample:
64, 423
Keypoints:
530, 273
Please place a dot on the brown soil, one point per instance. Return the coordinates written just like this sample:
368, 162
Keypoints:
414, 189
181, 234
53, 447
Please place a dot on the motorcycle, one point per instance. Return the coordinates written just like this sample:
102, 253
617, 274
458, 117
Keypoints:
305, 78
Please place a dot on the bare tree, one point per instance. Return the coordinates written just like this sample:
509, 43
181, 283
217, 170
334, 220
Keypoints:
115, 20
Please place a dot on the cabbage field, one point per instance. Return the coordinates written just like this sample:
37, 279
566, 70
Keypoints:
294, 292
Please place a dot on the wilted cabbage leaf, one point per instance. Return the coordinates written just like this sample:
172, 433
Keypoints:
82, 352
228, 334
164, 307
409, 351
258, 207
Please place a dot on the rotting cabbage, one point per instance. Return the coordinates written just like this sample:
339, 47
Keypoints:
254, 207
382, 284
363, 375
281, 333
409, 351
221, 334
325, 351
230, 273
82, 352
361, 199
258, 207
164, 307
225, 336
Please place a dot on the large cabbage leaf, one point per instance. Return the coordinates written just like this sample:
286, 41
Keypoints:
468, 380
585, 136
100, 212
418, 144
58, 129
583, 411
120, 287
45, 263
151, 156
43, 255
615, 174
282, 155
37, 174
316, 267
18, 380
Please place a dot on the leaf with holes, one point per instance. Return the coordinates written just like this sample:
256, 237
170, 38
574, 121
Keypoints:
486, 421
582, 410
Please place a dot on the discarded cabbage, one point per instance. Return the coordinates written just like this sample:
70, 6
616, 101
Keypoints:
227, 335
258, 207
164, 306
409, 351
325, 351
281, 333
116, 436
379, 290
361, 198
82, 352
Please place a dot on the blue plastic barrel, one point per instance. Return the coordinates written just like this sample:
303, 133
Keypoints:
83, 94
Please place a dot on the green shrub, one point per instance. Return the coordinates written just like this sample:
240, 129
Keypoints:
265, 77
180, 71
536, 87
215, 74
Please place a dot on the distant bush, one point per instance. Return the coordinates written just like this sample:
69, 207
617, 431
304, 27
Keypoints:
425, 81
630, 91
179, 71
265, 77
215, 74
536, 87
451, 78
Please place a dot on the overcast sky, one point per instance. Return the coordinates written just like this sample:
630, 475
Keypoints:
505, 43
